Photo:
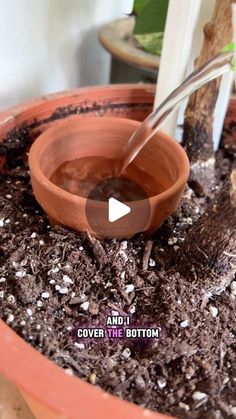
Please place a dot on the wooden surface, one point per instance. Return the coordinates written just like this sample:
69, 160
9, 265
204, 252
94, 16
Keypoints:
12, 405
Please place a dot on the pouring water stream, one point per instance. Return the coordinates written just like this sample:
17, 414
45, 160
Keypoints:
212, 69
80, 175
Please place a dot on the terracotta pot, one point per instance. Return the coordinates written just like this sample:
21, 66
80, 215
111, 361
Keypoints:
49, 392
117, 38
129, 61
163, 158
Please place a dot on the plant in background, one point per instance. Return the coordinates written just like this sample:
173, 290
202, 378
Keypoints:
150, 19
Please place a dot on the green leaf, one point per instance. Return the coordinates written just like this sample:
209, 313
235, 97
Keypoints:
151, 42
139, 5
233, 64
229, 48
152, 17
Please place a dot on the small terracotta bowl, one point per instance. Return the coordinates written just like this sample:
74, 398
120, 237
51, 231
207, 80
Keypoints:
163, 158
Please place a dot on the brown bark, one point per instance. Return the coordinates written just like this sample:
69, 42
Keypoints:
198, 125
208, 254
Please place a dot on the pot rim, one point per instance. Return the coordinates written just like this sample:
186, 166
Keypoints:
40, 144
14, 112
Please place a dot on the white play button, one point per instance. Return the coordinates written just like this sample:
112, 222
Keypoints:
117, 207
116, 210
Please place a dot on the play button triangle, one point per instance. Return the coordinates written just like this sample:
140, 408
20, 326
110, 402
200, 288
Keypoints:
116, 210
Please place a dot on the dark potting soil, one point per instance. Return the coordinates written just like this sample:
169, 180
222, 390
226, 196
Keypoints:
53, 280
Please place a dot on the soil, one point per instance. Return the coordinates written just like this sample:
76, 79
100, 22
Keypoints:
53, 280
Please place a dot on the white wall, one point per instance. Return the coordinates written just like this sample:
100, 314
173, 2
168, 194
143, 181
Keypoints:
51, 45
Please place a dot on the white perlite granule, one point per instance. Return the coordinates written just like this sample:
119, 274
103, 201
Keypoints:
85, 305
52, 281
11, 299
161, 382
184, 406
10, 318
233, 411
184, 323
79, 345
126, 353
172, 241
53, 270
123, 245
129, 288
198, 395
214, 311
45, 295
20, 274
63, 291
67, 279
233, 287
152, 262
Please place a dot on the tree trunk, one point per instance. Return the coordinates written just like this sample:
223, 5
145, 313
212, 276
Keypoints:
209, 251
198, 125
